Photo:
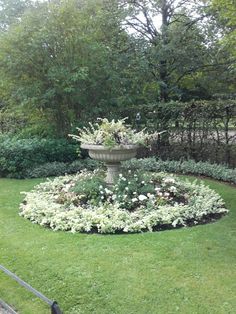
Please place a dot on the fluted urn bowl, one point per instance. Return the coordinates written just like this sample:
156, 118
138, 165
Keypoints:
112, 157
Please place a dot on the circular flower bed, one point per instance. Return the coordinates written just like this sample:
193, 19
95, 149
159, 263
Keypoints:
137, 202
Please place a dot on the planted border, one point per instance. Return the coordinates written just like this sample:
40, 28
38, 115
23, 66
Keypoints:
137, 202
215, 171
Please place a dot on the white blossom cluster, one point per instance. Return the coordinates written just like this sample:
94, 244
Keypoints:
152, 209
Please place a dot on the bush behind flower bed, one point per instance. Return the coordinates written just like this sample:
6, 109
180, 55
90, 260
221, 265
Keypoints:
17, 156
215, 171
54, 169
51, 169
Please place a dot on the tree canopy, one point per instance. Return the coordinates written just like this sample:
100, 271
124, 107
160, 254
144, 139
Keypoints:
62, 61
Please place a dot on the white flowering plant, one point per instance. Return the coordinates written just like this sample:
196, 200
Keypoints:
137, 202
113, 134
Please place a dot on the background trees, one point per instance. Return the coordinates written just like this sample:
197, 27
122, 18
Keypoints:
183, 39
67, 59
62, 62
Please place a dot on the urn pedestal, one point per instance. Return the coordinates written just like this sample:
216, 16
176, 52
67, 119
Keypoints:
112, 157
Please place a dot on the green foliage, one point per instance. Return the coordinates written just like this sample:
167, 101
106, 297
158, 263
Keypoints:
55, 168
184, 51
88, 188
130, 186
113, 134
215, 171
19, 155
45, 170
226, 12
200, 130
217, 114
81, 164
197, 264
82, 203
64, 61
11, 11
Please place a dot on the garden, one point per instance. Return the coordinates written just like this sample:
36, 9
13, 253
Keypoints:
169, 242
117, 157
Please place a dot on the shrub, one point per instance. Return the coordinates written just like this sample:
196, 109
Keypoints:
51, 169
87, 163
200, 130
88, 188
55, 168
215, 171
19, 155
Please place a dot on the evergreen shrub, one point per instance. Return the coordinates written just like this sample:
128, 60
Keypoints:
215, 171
17, 156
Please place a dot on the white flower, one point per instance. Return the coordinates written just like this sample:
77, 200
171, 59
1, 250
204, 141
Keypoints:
166, 194
169, 180
129, 171
142, 197
134, 193
143, 182
126, 188
41, 207
157, 189
108, 191
149, 195
120, 175
172, 189
100, 187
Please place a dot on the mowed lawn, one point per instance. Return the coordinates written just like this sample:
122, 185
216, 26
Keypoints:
189, 270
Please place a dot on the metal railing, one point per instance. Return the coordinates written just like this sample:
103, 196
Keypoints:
53, 304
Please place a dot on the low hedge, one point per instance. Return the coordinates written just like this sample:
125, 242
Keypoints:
54, 169
215, 171
57, 168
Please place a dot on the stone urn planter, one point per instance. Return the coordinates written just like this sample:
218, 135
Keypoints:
112, 157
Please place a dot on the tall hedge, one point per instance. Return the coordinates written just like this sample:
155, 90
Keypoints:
199, 130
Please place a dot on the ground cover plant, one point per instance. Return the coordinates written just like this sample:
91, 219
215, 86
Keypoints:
136, 202
188, 270
52, 169
215, 171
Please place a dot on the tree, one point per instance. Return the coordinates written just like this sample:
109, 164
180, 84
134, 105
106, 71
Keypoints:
11, 12
226, 11
66, 59
181, 52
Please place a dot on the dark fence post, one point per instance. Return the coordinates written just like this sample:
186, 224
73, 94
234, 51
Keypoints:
55, 308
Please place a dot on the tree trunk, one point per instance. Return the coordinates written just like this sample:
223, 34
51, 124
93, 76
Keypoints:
163, 62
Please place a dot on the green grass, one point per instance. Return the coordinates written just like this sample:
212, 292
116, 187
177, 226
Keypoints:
189, 270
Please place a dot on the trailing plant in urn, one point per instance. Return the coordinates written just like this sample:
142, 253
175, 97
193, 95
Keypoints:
112, 142
112, 134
